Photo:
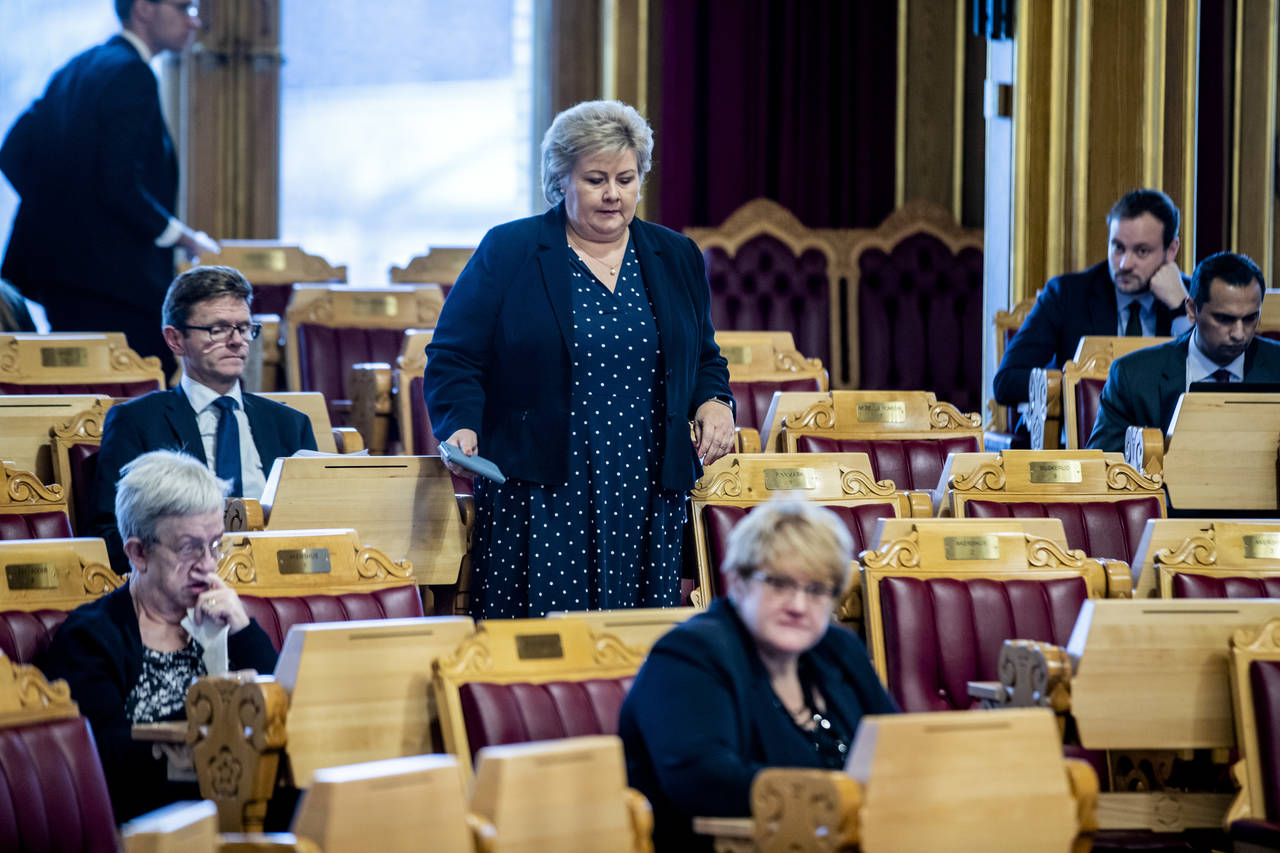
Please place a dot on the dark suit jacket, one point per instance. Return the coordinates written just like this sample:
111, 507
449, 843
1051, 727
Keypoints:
1143, 387
701, 718
98, 650
1070, 307
499, 361
164, 420
95, 169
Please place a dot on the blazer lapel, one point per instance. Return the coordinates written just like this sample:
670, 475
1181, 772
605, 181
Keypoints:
1102, 305
264, 435
553, 258
653, 271
1173, 379
182, 420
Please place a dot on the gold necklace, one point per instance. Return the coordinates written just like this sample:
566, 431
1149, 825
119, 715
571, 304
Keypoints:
613, 268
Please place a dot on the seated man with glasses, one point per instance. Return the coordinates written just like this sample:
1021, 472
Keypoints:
130, 656
207, 325
762, 678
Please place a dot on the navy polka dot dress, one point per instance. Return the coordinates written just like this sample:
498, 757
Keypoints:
611, 537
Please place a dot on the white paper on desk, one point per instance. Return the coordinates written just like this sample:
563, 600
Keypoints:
213, 638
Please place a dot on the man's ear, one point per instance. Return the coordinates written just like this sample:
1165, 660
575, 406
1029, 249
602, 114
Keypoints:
1191, 310
1171, 252
136, 551
173, 336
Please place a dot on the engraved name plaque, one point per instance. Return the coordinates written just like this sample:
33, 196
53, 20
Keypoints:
303, 561
736, 355
31, 576
265, 259
1262, 546
1057, 471
971, 547
64, 357
538, 646
790, 478
374, 306
891, 412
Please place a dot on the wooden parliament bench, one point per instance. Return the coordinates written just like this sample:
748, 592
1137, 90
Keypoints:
1209, 558
76, 363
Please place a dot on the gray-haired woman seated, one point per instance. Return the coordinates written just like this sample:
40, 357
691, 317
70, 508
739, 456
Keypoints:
130, 656
574, 351
760, 679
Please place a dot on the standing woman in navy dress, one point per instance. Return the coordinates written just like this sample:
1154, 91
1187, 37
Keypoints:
574, 351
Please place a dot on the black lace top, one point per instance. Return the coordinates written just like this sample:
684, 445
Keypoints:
161, 690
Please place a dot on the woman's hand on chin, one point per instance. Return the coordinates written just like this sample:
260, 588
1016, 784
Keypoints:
220, 604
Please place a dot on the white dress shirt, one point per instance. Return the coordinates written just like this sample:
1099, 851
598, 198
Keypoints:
1201, 369
1147, 315
201, 398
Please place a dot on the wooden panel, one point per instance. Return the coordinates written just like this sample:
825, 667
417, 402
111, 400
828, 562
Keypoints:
25, 424
54, 574
639, 628
1245, 478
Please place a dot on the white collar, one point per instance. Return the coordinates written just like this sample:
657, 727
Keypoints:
138, 44
1204, 366
201, 396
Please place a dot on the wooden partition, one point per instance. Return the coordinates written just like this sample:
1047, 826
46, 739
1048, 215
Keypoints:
75, 359
900, 415
307, 562
1182, 540
22, 492
639, 628
890, 529
54, 574
329, 438
1248, 646
1221, 550
25, 424
440, 265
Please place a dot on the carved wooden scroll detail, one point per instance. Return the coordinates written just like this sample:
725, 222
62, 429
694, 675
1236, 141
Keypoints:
1122, 476
1037, 415
812, 810
125, 360
86, 424
1195, 551
901, 553
854, 481
1256, 643
242, 515
989, 476
947, 416
723, 484
794, 362
99, 578
1034, 675
25, 694
236, 565
1047, 554
373, 564
611, 651
472, 657
236, 724
9, 361
316, 311
821, 415
24, 488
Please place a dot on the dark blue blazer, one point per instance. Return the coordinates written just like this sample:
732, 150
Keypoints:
1070, 307
499, 361
164, 420
95, 169
1143, 387
701, 718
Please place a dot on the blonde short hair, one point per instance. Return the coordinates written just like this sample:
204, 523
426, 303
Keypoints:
588, 128
790, 527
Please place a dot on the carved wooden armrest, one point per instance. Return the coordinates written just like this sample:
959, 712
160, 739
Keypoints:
921, 504
348, 439
236, 724
242, 514
641, 815
1083, 780
369, 385
1034, 675
849, 609
802, 809
1144, 449
1242, 806
1044, 408
1119, 579
746, 440
483, 833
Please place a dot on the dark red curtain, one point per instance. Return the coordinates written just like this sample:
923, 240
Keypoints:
793, 101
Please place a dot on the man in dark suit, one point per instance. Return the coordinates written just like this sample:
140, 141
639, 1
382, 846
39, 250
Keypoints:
1224, 307
94, 166
237, 435
1137, 291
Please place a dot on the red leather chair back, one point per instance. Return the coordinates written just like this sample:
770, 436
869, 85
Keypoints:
940, 633
1088, 401
110, 389
754, 397
1200, 586
326, 353
1264, 680
719, 521
1107, 530
918, 307
909, 463
764, 286
518, 713
52, 524
53, 794
424, 442
278, 614
24, 634
271, 298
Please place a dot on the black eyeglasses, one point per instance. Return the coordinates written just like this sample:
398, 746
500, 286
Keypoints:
222, 331
785, 587
191, 10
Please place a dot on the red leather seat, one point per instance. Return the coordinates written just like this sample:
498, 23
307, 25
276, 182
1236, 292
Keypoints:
909, 463
754, 397
765, 286
83, 463
719, 521
1201, 586
52, 524
1264, 830
1088, 401
110, 389
24, 634
941, 633
53, 794
424, 441
327, 353
278, 614
518, 713
1107, 530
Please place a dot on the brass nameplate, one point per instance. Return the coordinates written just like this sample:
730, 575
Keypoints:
1060, 471
384, 305
893, 412
1262, 546
736, 355
538, 646
31, 576
265, 259
790, 478
64, 357
971, 547
303, 561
